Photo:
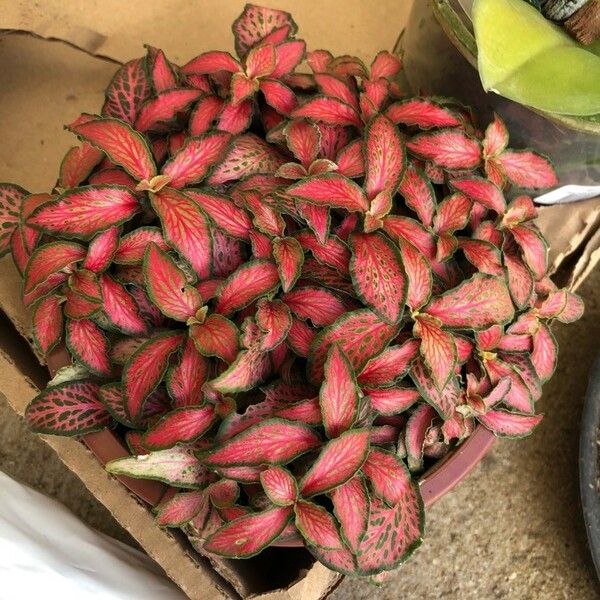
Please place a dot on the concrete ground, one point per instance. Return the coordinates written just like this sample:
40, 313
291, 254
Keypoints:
512, 530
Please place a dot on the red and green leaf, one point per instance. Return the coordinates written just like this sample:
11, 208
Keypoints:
447, 148
89, 346
180, 426
132, 246
339, 395
216, 336
418, 194
164, 108
476, 303
443, 400
317, 526
194, 160
71, 408
333, 190
251, 281
351, 507
123, 146
272, 442
83, 212
289, 257
146, 368
416, 429
509, 424
437, 348
250, 534
127, 91
101, 250
422, 113
185, 227
392, 364
182, 508
48, 260
534, 248
319, 305
339, 460
378, 275
279, 485
273, 317
361, 335
47, 323
167, 286
527, 169
482, 191
120, 307
250, 368
330, 111
391, 400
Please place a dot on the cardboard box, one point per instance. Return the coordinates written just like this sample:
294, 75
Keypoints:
46, 83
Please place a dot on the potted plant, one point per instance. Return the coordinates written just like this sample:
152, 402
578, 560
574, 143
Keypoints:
289, 293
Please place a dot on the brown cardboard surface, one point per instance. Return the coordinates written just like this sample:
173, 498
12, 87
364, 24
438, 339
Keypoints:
48, 83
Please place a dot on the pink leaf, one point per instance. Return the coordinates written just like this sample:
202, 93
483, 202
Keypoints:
351, 507
328, 110
89, 346
332, 251
161, 71
504, 423
519, 279
279, 485
251, 281
204, 114
339, 397
317, 526
476, 303
77, 165
444, 400
182, 425
452, 213
450, 149
217, 336
164, 108
274, 319
248, 535
48, 259
146, 368
393, 533
186, 378
72, 408
527, 169
331, 189
416, 428
519, 395
101, 250
260, 61
192, 163
185, 227
123, 146
393, 400
300, 337
482, 191
133, 245
418, 274
317, 218
236, 118
407, 229
350, 160
338, 462
485, 257
250, 368
388, 476
182, 508
248, 155
418, 194
289, 257
273, 442
127, 91
361, 334
534, 247
257, 23
319, 305
47, 323
545, 352
278, 95
288, 56
303, 140
422, 113
438, 349
11, 199
378, 275
82, 212
167, 286
392, 364
495, 139
335, 87
385, 156
211, 62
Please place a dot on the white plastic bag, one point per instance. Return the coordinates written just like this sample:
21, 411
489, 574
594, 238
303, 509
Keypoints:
46, 552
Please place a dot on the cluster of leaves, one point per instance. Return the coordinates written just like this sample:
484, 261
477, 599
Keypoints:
288, 291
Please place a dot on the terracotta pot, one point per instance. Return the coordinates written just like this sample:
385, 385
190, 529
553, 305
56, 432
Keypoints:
440, 479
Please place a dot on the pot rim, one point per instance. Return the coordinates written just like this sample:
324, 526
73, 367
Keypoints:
435, 482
